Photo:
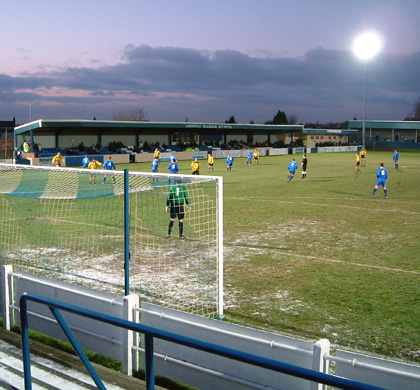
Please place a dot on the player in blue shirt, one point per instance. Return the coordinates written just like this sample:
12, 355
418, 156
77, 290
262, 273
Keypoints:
292, 169
85, 162
382, 175
396, 157
109, 165
229, 162
249, 157
172, 157
155, 164
173, 169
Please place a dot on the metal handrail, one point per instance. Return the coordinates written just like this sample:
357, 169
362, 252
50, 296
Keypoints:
150, 333
270, 343
357, 363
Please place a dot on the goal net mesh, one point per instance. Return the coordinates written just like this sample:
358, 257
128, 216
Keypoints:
68, 225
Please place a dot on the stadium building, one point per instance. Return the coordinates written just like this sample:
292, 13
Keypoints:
133, 141
389, 134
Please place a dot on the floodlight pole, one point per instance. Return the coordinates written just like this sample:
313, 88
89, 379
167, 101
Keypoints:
364, 110
365, 47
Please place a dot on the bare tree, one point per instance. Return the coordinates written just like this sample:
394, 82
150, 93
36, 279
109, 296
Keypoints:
416, 110
293, 119
130, 113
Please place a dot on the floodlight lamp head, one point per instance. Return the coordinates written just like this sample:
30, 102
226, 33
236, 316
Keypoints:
367, 45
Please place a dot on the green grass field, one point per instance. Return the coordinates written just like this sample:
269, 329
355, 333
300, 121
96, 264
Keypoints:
318, 257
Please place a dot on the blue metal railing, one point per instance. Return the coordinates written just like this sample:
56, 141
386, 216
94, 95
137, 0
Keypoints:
150, 333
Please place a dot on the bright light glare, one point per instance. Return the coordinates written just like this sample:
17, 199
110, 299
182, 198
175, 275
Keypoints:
366, 46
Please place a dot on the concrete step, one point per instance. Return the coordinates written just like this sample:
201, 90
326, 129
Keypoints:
53, 369
45, 375
6, 386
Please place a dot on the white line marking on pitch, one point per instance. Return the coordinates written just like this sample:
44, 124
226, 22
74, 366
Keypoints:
359, 265
328, 205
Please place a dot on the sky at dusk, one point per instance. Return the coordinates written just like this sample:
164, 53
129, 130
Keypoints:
207, 60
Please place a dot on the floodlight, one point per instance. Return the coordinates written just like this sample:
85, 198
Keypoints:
367, 45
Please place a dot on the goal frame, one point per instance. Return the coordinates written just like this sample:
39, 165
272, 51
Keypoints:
125, 176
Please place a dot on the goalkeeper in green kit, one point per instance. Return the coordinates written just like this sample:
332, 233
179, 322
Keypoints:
177, 196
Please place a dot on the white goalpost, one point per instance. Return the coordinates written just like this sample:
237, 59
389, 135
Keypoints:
56, 222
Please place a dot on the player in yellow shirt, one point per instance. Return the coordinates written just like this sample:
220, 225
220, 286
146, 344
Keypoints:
210, 161
58, 159
357, 163
256, 157
363, 157
157, 153
195, 166
93, 165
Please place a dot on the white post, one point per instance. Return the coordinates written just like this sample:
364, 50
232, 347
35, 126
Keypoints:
5, 296
130, 339
220, 243
321, 348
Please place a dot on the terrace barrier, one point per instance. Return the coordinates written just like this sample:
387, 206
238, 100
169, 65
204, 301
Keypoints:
150, 334
190, 365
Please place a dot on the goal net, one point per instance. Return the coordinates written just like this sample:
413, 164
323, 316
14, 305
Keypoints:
70, 225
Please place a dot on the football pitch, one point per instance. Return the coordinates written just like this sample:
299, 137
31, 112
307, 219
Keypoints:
318, 257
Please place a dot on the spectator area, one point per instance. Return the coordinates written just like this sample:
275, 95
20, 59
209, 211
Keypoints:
78, 138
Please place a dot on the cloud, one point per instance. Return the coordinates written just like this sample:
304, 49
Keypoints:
172, 83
